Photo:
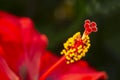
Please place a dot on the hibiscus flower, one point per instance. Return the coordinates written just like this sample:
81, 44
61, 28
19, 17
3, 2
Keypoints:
23, 54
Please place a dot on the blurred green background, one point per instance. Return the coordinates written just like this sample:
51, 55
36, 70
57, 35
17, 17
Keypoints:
60, 19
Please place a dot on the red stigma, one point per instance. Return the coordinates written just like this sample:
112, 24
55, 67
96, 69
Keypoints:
90, 27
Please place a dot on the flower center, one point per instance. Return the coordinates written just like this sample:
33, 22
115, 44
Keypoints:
76, 46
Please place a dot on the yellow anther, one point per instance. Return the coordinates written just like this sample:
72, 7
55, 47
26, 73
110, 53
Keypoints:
71, 55
76, 35
85, 50
67, 53
88, 45
68, 58
61, 53
71, 50
65, 46
79, 50
68, 62
76, 59
69, 44
71, 60
79, 56
80, 47
83, 54
76, 47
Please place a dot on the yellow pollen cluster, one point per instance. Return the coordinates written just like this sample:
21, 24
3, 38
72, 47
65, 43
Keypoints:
75, 47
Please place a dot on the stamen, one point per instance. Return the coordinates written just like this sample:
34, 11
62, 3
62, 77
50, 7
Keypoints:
76, 46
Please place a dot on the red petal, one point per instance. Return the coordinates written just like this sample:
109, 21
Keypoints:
91, 76
26, 26
9, 29
10, 39
47, 60
5, 14
28, 32
7, 73
3, 76
12, 54
21, 44
77, 71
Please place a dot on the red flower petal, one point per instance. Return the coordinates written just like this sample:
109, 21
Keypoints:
5, 14
47, 60
9, 29
9, 39
21, 45
6, 72
89, 76
3, 76
77, 71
